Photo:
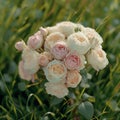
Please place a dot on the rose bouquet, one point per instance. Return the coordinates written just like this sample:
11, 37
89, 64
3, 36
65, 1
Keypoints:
61, 51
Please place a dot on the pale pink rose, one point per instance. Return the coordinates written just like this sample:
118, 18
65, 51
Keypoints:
35, 41
73, 78
66, 27
31, 60
97, 58
52, 39
23, 73
78, 42
57, 89
94, 38
43, 59
59, 50
55, 71
20, 45
74, 62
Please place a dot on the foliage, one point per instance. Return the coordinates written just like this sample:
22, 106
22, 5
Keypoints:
21, 100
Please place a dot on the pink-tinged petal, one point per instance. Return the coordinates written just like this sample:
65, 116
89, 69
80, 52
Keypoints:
23, 73
20, 46
59, 50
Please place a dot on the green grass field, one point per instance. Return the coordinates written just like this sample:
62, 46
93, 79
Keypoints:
22, 100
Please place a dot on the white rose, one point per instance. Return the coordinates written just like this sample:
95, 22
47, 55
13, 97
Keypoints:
52, 39
57, 89
78, 42
55, 71
52, 29
66, 27
97, 58
94, 38
31, 60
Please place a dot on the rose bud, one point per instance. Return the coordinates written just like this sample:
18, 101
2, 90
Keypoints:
35, 41
49, 55
55, 71
59, 50
74, 62
20, 45
52, 39
78, 42
97, 58
43, 31
73, 78
57, 89
43, 59
94, 38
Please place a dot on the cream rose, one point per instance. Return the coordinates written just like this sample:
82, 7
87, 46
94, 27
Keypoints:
66, 27
44, 58
73, 78
52, 39
55, 71
94, 38
31, 60
52, 29
43, 31
22, 72
57, 89
97, 58
59, 50
36, 40
78, 42
74, 62
20, 45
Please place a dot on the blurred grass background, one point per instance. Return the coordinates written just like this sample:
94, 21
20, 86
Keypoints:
21, 100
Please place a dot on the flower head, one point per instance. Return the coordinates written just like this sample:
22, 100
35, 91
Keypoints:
97, 58
55, 71
35, 41
66, 27
59, 50
74, 61
73, 78
31, 60
23, 73
94, 38
20, 45
52, 39
57, 89
78, 42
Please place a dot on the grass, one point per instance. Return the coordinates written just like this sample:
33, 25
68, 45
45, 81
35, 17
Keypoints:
21, 100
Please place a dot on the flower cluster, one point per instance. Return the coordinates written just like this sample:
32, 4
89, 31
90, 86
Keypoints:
61, 51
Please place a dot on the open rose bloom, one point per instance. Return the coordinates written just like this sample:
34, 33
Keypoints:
61, 52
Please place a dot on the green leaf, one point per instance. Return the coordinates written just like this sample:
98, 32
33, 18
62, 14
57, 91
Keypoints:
88, 97
86, 109
22, 86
